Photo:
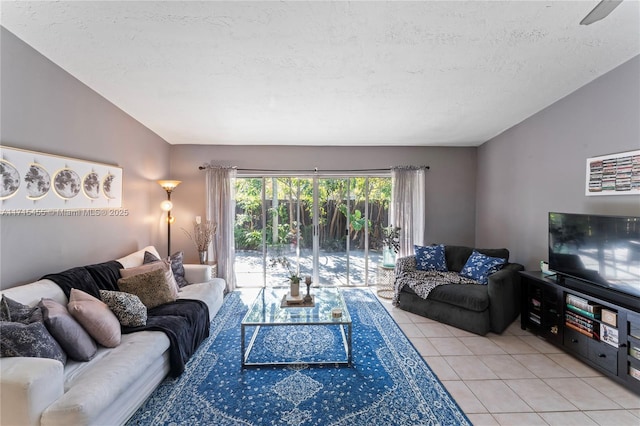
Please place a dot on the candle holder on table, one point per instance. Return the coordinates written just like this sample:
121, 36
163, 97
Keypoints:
307, 298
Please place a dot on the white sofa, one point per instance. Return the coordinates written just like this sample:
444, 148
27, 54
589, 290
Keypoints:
106, 390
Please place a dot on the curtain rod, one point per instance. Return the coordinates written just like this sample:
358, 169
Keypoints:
316, 170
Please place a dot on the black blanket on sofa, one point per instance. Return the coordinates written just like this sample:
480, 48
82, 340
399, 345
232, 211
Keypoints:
185, 321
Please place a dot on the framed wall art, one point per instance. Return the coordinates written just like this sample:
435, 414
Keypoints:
614, 174
34, 180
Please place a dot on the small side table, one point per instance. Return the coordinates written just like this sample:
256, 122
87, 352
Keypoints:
385, 280
214, 269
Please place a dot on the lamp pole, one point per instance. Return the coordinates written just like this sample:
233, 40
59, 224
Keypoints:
169, 225
168, 185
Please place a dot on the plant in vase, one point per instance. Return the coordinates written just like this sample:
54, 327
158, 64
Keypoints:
202, 236
391, 244
294, 276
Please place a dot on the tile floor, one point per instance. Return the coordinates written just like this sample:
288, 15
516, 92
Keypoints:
517, 378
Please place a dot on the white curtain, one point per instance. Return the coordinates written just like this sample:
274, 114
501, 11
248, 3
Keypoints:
221, 210
408, 206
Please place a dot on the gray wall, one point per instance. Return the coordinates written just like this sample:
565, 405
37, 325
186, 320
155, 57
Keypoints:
539, 165
496, 195
450, 183
45, 109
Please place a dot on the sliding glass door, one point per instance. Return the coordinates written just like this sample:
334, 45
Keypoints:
288, 244
323, 226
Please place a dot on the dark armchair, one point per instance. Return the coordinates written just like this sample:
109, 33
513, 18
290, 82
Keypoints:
472, 307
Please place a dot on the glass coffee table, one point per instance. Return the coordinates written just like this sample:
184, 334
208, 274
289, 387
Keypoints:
268, 310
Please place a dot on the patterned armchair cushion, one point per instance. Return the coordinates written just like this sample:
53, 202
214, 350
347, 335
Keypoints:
479, 266
457, 256
431, 258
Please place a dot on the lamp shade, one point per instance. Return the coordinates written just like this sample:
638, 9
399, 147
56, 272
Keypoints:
169, 185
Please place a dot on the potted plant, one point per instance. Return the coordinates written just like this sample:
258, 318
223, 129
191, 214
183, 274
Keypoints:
391, 245
202, 236
294, 276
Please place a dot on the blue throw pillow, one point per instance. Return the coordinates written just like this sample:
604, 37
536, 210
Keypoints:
431, 258
479, 266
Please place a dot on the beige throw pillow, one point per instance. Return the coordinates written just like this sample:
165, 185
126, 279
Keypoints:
165, 265
151, 287
96, 318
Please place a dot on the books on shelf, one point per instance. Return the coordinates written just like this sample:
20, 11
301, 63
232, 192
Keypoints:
535, 318
584, 315
583, 325
578, 329
609, 335
583, 304
584, 312
579, 320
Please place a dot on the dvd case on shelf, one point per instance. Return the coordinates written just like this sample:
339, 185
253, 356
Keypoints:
609, 335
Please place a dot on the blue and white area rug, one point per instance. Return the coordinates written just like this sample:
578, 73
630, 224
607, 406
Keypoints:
388, 384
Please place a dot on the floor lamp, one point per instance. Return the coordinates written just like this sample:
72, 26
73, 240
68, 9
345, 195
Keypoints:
167, 205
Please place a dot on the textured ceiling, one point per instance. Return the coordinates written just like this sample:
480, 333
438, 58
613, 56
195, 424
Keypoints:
452, 73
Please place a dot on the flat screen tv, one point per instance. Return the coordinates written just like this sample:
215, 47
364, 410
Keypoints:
602, 250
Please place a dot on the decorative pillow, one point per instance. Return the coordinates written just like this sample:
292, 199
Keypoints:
13, 311
152, 288
30, 340
135, 258
96, 317
431, 258
479, 266
165, 265
128, 308
150, 258
73, 339
177, 266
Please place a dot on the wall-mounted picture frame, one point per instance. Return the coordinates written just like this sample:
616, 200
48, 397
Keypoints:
614, 174
35, 180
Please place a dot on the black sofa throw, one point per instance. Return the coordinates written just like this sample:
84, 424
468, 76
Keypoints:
185, 321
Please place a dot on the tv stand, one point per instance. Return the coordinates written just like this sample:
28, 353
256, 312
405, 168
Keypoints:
598, 327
